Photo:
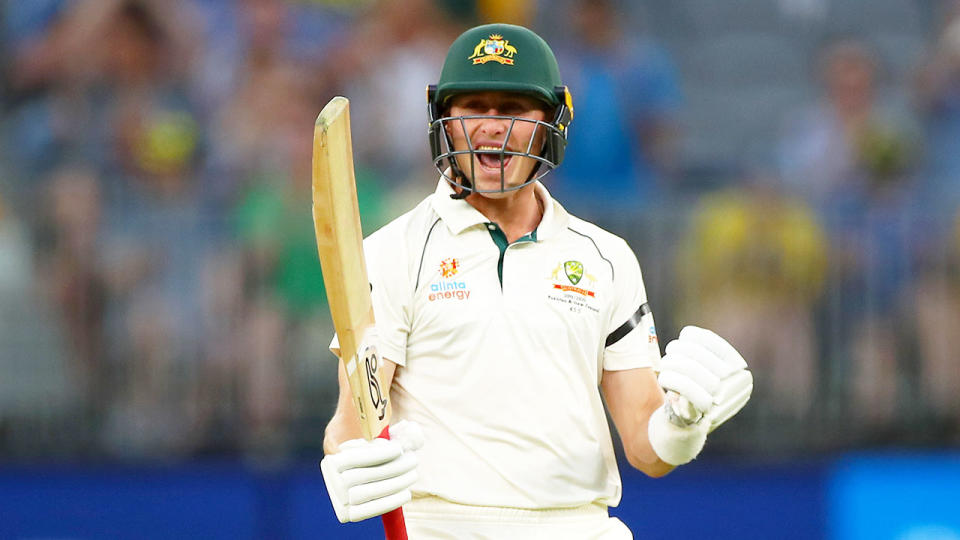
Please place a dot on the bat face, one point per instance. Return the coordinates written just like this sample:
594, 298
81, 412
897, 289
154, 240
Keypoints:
336, 220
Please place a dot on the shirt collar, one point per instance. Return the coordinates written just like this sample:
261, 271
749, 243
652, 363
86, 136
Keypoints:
459, 215
555, 217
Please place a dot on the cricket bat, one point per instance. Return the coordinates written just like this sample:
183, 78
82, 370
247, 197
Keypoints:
336, 221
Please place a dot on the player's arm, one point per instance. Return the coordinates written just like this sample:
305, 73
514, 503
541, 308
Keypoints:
632, 396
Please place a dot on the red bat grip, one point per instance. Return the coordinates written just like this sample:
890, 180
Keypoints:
393, 524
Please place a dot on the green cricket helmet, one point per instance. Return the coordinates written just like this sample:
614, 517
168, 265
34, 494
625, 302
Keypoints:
506, 58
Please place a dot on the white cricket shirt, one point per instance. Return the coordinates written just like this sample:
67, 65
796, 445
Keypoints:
502, 349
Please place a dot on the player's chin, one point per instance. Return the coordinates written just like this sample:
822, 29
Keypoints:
493, 187
490, 180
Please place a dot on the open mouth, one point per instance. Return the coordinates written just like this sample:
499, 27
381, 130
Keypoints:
489, 157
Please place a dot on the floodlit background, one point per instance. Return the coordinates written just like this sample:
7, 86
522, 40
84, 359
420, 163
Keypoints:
787, 171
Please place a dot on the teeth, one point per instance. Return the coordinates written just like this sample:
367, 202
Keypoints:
486, 147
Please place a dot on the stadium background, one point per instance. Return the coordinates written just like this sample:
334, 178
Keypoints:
787, 171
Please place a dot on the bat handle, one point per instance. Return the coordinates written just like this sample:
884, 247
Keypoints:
393, 524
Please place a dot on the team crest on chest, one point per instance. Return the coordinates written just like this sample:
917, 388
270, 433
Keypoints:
574, 272
573, 287
495, 49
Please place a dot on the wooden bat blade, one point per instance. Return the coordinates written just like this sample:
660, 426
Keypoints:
336, 220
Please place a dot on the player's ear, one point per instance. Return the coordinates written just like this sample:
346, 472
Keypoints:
448, 125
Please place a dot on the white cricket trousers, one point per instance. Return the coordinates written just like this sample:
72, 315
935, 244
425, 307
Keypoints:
432, 518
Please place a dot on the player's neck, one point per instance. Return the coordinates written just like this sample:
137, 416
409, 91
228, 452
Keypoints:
517, 214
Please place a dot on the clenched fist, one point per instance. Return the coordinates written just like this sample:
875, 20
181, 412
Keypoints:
707, 382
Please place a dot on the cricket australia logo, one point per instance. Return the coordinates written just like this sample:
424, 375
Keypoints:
495, 49
574, 272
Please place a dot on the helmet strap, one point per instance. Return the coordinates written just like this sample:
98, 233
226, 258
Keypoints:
465, 187
462, 180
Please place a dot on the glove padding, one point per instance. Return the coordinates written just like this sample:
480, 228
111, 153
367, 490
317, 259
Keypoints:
705, 377
369, 478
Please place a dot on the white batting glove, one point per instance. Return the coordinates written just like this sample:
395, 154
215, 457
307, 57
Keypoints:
368, 478
706, 376
707, 382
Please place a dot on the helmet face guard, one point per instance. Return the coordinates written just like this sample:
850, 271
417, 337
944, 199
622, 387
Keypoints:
547, 155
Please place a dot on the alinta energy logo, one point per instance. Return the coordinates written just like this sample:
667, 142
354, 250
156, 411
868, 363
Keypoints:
447, 288
449, 267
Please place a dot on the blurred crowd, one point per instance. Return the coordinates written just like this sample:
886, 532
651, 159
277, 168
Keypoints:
160, 294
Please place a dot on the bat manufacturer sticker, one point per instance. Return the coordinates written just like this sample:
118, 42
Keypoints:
493, 49
371, 361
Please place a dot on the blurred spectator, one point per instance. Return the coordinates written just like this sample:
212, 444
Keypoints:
937, 305
15, 255
244, 37
848, 139
147, 418
263, 380
625, 95
70, 261
45, 110
37, 383
753, 267
16, 284
938, 95
259, 125
151, 132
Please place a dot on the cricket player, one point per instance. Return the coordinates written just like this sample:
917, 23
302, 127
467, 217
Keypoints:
507, 323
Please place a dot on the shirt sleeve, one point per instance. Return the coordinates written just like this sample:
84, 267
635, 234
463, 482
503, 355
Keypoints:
631, 333
391, 294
